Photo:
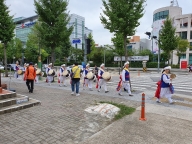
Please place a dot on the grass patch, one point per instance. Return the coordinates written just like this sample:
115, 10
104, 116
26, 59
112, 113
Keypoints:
124, 110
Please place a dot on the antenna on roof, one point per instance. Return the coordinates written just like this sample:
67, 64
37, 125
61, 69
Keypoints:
174, 3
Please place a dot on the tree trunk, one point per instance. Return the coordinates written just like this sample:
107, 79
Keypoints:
5, 60
125, 47
52, 56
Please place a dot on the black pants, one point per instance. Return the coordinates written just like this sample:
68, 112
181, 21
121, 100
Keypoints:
28, 83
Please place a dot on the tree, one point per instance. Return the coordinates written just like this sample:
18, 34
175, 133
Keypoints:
15, 49
182, 47
7, 27
53, 20
168, 41
122, 16
34, 47
119, 45
93, 48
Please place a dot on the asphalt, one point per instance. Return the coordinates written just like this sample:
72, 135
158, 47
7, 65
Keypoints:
165, 123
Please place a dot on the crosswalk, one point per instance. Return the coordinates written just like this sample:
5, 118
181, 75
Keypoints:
182, 83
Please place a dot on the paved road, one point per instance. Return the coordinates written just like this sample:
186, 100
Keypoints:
61, 117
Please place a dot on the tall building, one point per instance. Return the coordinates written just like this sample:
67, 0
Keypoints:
79, 30
182, 23
24, 25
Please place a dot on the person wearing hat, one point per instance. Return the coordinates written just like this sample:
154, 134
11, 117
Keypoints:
126, 79
30, 75
16, 68
49, 77
87, 82
37, 76
101, 81
165, 85
62, 78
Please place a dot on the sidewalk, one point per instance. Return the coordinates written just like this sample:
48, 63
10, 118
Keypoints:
61, 119
163, 127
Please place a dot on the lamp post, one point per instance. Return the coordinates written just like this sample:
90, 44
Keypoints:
158, 55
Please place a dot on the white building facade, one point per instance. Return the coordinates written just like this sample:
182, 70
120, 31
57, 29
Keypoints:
182, 23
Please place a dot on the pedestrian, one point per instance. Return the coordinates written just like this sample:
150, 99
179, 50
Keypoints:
37, 75
24, 69
30, 75
87, 81
16, 68
75, 79
165, 85
96, 70
50, 74
101, 81
62, 78
126, 79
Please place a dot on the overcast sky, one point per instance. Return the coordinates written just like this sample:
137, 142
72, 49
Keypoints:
91, 9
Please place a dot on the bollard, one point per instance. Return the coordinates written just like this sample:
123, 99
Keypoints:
138, 73
142, 118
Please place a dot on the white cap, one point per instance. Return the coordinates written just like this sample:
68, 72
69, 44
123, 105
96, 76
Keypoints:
87, 65
102, 65
126, 63
50, 64
63, 65
27, 64
35, 64
167, 67
90, 69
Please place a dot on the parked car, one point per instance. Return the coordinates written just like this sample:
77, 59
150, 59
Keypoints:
2, 67
10, 67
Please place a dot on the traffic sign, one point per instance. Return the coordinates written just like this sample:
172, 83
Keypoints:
76, 41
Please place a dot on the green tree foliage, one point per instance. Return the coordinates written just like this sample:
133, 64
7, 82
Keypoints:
168, 41
93, 48
6, 29
34, 48
146, 52
182, 47
122, 16
119, 45
14, 50
53, 18
76, 55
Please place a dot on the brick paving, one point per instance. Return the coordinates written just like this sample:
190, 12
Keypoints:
59, 119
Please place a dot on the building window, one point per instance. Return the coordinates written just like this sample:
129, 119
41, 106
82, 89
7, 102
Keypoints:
184, 23
183, 34
183, 56
191, 35
190, 46
160, 15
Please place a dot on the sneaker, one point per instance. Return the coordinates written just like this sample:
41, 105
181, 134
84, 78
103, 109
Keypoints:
60, 85
106, 91
120, 94
172, 102
72, 93
98, 90
130, 95
78, 94
158, 102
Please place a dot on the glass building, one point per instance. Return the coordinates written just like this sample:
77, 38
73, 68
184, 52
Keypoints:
24, 25
79, 30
